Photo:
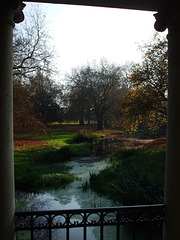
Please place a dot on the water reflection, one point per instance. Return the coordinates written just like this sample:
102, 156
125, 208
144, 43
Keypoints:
71, 197
33, 201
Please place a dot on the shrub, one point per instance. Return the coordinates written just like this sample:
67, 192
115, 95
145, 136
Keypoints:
86, 137
63, 154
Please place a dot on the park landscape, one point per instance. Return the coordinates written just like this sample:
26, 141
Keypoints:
135, 166
99, 135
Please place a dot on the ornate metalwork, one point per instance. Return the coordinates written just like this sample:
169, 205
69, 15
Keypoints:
84, 218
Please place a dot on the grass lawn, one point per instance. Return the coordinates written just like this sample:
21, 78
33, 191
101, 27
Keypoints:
30, 174
40, 160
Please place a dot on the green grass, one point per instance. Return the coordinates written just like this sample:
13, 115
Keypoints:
135, 176
45, 166
31, 172
53, 138
31, 175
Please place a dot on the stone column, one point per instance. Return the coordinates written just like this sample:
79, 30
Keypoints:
8, 15
171, 19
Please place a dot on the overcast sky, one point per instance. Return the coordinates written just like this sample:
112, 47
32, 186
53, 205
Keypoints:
83, 34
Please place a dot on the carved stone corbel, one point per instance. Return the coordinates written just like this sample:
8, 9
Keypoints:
168, 17
18, 13
11, 11
161, 21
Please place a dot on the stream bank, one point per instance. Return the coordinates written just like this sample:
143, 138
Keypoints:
71, 197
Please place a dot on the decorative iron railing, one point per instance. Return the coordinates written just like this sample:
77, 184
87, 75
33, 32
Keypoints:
85, 218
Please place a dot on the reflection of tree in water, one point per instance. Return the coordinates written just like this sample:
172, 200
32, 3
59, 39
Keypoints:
108, 146
33, 201
70, 197
63, 195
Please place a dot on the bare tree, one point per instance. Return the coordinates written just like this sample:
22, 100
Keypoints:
79, 104
104, 88
45, 97
32, 49
33, 60
94, 91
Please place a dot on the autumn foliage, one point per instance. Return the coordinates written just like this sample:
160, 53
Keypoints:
145, 102
24, 117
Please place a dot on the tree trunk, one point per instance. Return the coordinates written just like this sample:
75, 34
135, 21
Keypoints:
107, 123
81, 120
100, 123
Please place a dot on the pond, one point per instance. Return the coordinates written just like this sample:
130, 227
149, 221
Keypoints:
73, 197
